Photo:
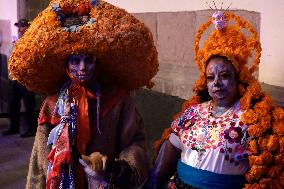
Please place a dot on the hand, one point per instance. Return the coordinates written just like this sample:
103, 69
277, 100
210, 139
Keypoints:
96, 162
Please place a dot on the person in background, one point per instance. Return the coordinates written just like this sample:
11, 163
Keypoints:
3, 63
19, 92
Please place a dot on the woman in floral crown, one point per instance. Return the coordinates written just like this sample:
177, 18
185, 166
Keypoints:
230, 134
86, 56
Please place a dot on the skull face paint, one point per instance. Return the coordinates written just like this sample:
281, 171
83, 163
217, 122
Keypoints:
221, 81
81, 67
218, 19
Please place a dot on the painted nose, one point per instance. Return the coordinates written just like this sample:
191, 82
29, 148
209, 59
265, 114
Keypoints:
82, 65
216, 81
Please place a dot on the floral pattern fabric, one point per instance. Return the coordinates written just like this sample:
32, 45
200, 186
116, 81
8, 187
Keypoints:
214, 143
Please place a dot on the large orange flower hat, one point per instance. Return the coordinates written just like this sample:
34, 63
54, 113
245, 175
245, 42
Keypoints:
123, 45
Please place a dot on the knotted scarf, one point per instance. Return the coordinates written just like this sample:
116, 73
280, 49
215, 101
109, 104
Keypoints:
61, 151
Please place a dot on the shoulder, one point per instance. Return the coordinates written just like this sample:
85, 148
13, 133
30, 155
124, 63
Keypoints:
189, 116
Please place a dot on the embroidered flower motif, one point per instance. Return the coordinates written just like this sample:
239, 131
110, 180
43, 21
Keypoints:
233, 135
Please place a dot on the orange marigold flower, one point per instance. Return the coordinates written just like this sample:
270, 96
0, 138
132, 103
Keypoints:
273, 171
241, 89
281, 144
254, 89
249, 117
278, 127
263, 159
256, 130
273, 143
265, 182
253, 146
279, 159
192, 101
256, 172
245, 101
278, 114
252, 186
262, 142
276, 184
281, 178
262, 108
265, 121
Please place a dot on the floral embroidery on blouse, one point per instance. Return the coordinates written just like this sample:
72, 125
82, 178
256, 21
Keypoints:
199, 130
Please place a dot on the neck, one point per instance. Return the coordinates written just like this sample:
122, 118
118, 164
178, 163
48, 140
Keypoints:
220, 108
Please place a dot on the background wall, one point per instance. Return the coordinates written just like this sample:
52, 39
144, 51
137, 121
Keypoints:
9, 12
174, 34
271, 26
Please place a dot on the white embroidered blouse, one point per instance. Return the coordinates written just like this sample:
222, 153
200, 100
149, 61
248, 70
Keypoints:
216, 144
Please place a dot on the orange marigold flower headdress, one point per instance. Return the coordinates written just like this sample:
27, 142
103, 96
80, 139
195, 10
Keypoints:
124, 46
229, 41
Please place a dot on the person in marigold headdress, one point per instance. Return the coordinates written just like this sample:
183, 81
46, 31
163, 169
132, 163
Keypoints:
86, 56
230, 134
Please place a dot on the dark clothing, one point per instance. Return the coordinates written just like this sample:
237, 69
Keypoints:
18, 93
3, 76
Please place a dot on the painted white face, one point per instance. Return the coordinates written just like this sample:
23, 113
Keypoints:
81, 67
219, 21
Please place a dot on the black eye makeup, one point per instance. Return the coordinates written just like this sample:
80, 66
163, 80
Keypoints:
210, 78
225, 75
